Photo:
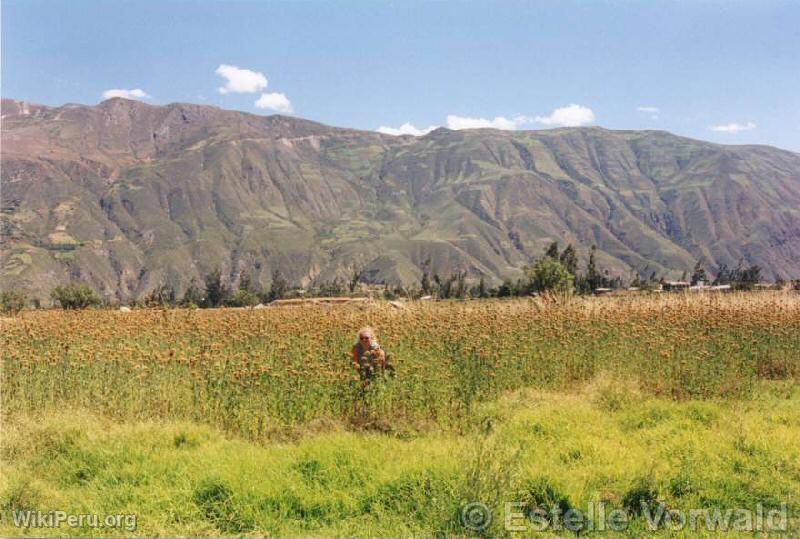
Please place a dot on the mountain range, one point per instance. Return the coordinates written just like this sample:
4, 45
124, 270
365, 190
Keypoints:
128, 196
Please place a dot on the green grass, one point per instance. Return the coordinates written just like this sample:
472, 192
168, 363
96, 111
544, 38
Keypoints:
601, 443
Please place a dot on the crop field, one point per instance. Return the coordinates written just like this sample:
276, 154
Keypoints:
254, 422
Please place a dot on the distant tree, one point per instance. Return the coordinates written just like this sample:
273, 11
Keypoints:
646, 284
388, 293
194, 294
331, 288
278, 287
246, 282
506, 289
400, 291
591, 267
242, 298
739, 278
425, 283
12, 302
699, 274
460, 282
445, 287
246, 295
480, 290
723, 276
608, 281
750, 277
454, 286
549, 275
521, 288
552, 251
75, 295
161, 296
593, 278
438, 284
355, 278
216, 291
569, 258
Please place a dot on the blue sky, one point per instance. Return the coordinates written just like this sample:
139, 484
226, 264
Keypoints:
722, 71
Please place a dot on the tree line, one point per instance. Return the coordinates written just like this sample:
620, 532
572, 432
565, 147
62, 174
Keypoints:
557, 271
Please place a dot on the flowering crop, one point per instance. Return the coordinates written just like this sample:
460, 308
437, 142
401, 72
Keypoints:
256, 372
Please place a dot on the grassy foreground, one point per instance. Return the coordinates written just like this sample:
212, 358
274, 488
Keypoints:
251, 422
600, 444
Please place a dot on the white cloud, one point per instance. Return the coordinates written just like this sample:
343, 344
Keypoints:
456, 122
652, 111
240, 81
275, 101
136, 93
405, 129
733, 127
569, 116
245, 81
500, 122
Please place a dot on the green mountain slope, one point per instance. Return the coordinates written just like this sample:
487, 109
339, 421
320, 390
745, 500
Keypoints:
128, 196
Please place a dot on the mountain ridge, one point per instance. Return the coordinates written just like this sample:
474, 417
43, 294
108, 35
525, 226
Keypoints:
442, 129
129, 195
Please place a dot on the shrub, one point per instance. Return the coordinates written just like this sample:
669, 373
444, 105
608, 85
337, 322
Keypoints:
643, 496
541, 496
682, 484
12, 301
75, 295
215, 499
549, 275
216, 292
193, 296
243, 298
161, 296
546, 503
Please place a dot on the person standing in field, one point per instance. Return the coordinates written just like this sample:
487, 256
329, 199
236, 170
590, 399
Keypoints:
368, 356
